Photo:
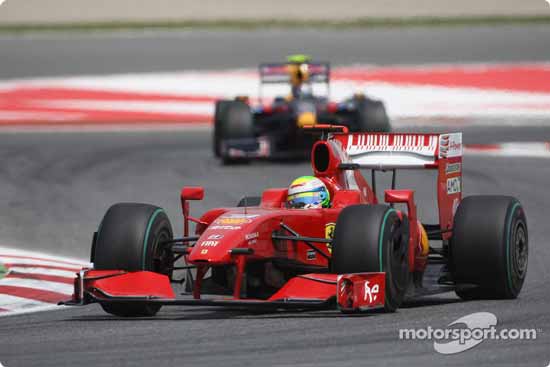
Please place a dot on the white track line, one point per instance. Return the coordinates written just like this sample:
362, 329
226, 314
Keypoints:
14, 303
479, 105
203, 108
46, 307
6, 251
18, 260
44, 271
111, 128
38, 284
36, 264
516, 149
18, 305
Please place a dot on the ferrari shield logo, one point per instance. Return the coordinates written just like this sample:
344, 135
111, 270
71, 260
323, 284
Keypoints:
329, 233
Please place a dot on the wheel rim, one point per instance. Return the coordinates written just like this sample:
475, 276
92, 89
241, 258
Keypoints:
398, 258
520, 251
162, 258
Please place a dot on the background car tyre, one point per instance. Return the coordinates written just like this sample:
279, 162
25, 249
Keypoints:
233, 120
130, 237
489, 247
372, 116
220, 113
372, 238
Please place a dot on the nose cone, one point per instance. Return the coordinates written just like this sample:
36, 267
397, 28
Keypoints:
229, 231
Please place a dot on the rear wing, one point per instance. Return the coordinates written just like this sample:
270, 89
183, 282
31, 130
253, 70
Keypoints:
397, 150
391, 151
319, 72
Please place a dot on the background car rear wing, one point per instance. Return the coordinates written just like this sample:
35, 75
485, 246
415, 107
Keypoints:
319, 72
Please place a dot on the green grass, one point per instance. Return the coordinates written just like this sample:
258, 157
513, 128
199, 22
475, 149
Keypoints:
3, 271
274, 23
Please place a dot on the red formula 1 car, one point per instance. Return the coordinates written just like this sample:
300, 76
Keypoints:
360, 253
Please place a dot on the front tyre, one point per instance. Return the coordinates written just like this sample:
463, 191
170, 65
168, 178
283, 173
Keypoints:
132, 237
489, 247
372, 238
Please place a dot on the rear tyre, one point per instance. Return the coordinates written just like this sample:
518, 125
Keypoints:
372, 238
233, 120
489, 248
130, 238
372, 116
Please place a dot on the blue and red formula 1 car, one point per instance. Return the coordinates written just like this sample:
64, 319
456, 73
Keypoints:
359, 253
244, 129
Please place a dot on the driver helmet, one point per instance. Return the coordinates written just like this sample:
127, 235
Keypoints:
298, 68
308, 192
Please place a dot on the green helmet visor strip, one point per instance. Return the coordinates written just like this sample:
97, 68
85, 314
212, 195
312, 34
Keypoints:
299, 59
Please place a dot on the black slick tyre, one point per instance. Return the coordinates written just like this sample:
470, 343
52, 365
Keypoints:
130, 237
489, 248
372, 238
234, 120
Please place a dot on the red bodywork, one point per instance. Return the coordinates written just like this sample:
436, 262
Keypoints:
237, 237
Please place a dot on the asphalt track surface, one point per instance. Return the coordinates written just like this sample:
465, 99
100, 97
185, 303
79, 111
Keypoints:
55, 188
50, 54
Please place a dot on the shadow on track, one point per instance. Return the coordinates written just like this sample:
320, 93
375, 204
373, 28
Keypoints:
210, 313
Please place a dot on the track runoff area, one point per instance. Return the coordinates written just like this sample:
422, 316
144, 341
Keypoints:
440, 96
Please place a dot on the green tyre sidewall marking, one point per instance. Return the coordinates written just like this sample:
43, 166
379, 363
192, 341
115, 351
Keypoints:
146, 238
508, 234
381, 238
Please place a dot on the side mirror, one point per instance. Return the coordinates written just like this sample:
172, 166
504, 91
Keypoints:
399, 196
189, 193
192, 193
